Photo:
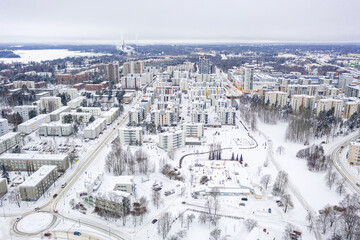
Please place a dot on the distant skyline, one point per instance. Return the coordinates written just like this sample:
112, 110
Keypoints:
174, 21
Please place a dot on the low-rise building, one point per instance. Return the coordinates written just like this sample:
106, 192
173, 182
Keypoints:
124, 184
4, 126
55, 115
128, 96
131, 136
111, 115
9, 140
113, 202
24, 111
55, 129
3, 187
32, 162
33, 124
171, 141
37, 184
76, 102
94, 111
95, 128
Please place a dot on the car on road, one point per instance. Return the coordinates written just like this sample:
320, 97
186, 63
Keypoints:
47, 234
244, 199
55, 195
242, 204
56, 211
358, 184
64, 185
77, 233
154, 221
342, 147
18, 219
36, 209
269, 210
183, 202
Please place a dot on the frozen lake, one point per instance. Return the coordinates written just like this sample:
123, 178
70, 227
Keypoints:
47, 54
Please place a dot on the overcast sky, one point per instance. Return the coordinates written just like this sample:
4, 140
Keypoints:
106, 21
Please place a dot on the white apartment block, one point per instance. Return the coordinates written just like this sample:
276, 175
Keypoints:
200, 116
227, 116
25, 109
95, 128
171, 141
94, 111
33, 124
72, 92
79, 116
354, 153
302, 101
131, 136
111, 115
221, 103
3, 187
136, 115
193, 129
4, 126
32, 162
327, 104
55, 115
76, 102
50, 104
276, 98
37, 184
9, 140
42, 94
55, 129
350, 108
162, 117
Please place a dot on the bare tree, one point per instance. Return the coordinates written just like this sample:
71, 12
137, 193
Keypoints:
340, 187
265, 180
287, 201
330, 178
215, 234
156, 197
280, 150
280, 184
164, 224
350, 216
203, 217
250, 224
259, 170
189, 220
323, 219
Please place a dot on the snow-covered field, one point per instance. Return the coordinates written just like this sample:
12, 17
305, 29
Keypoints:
47, 54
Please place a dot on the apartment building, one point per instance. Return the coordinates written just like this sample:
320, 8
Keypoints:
55, 129
3, 187
227, 116
111, 115
4, 126
302, 101
136, 115
133, 67
350, 108
33, 124
193, 129
354, 153
9, 140
131, 135
163, 117
276, 98
71, 92
55, 115
94, 111
95, 128
76, 102
24, 111
112, 72
114, 202
50, 104
198, 116
37, 184
79, 116
171, 141
32, 162
327, 104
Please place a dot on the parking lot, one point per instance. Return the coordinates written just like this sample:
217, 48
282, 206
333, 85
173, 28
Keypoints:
50, 148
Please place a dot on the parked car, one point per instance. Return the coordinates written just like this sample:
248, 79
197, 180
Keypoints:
77, 233
244, 199
64, 185
269, 210
47, 234
242, 204
154, 221
56, 211
183, 202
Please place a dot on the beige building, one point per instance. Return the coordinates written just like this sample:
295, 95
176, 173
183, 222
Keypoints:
350, 108
276, 98
304, 101
37, 184
354, 153
327, 104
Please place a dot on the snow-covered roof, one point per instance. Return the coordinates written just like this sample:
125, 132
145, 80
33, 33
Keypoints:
38, 176
26, 156
8, 136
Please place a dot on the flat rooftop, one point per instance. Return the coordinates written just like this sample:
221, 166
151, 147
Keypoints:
38, 176
27, 156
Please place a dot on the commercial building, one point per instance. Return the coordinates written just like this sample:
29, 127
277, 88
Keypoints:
3, 187
276, 98
33, 124
75, 103
55, 129
111, 115
55, 115
4, 126
302, 101
124, 184
32, 162
328, 104
9, 140
193, 129
95, 128
37, 184
350, 108
24, 111
50, 104
131, 135
171, 141
354, 153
